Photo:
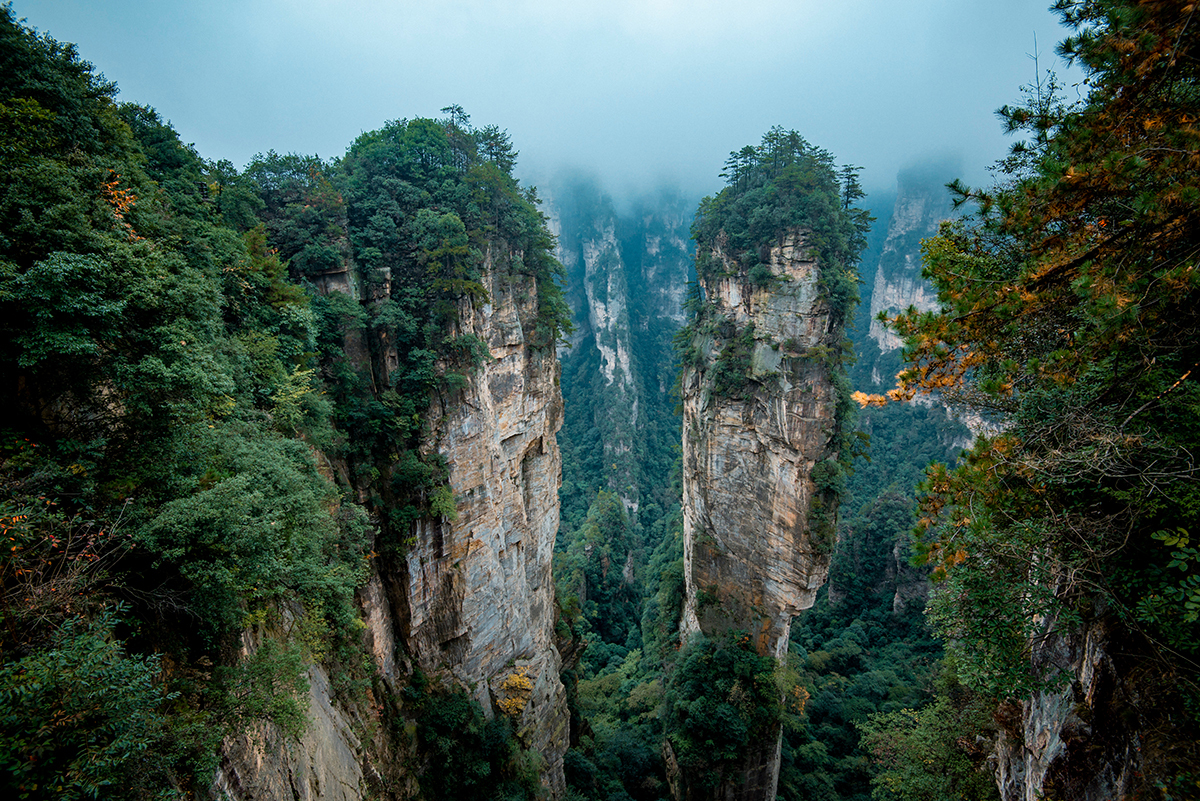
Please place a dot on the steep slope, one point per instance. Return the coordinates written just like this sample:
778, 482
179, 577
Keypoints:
280, 472
627, 274
462, 468
471, 600
479, 595
893, 280
756, 544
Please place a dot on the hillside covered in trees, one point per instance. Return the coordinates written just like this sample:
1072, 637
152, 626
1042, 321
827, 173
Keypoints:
1062, 546
229, 517
210, 432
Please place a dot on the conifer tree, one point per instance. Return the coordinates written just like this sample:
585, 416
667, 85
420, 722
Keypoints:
1069, 308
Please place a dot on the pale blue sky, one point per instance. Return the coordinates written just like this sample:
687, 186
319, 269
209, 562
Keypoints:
632, 91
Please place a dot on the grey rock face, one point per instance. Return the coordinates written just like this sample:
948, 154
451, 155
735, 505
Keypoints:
325, 764
1080, 741
627, 275
473, 604
748, 462
754, 551
480, 596
898, 284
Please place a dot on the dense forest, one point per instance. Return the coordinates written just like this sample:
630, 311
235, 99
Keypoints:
190, 453
225, 410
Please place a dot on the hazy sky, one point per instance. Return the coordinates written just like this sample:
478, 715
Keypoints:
636, 91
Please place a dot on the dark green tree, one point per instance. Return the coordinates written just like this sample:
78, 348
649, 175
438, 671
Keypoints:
1068, 304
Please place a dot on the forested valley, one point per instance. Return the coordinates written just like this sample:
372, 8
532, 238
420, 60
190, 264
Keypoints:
362, 477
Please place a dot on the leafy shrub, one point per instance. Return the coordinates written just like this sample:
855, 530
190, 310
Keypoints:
467, 755
82, 718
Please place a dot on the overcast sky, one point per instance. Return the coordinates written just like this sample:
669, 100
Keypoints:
635, 91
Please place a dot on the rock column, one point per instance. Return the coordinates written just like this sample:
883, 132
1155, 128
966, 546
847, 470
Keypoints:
759, 466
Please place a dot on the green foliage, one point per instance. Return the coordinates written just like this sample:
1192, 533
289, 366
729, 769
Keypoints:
722, 697
1068, 304
784, 183
593, 568
856, 657
427, 211
618, 751
732, 372
70, 317
83, 719
442, 504
160, 360
468, 756
920, 755
829, 481
268, 686
259, 533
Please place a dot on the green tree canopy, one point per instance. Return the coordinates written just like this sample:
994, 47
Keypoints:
1069, 306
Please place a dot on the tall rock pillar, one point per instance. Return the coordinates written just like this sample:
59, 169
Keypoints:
760, 476
478, 593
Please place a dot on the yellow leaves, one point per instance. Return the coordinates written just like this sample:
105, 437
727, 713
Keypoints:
864, 399
121, 201
517, 689
796, 699
518, 681
1073, 175
944, 557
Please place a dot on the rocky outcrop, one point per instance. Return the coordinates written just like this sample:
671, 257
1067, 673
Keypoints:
1115, 720
894, 283
911, 583
328, 762
752, 555
478, 599
1079, 741
471, 601
758, 527
922, 203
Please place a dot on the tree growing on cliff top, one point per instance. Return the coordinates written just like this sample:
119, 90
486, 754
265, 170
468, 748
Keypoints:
1069, 303
782, 183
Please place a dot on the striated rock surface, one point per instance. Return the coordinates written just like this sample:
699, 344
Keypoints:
343, 753
753, 556
758, 529
921, 206
627, 274
1093, 739
478, 594
472, 600
328, 762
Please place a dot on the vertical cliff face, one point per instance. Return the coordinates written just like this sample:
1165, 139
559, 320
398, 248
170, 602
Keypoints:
756, 545
477, 598
1085, 740
627, 273
922, 203
471, 603
758, 527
